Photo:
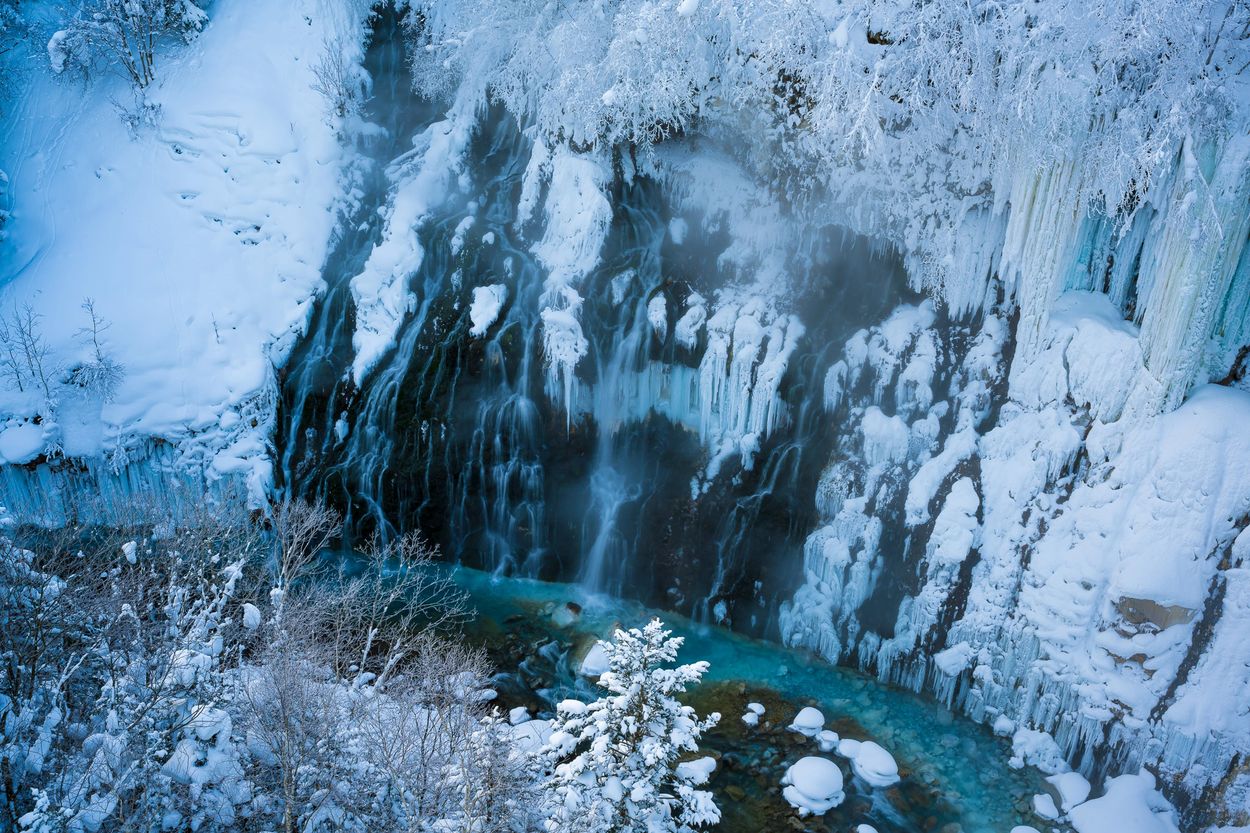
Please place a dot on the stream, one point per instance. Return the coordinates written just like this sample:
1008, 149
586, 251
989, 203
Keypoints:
955, 772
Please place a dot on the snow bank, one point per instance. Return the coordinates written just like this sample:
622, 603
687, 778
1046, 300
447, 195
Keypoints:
1131, 802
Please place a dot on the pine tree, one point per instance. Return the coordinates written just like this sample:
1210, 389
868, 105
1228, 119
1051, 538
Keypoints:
614, 761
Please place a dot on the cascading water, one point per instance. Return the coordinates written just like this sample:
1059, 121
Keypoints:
658, 478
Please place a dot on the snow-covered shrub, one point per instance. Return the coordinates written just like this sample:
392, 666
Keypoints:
116, 653
614, 761
123, 34
164, 681
99, 374
340, 80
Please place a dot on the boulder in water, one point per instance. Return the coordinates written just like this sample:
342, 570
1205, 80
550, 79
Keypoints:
808, 722
873, 764
813, 785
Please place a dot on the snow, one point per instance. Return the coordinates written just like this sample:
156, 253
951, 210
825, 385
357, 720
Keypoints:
691, 322
251, 616
698, 771
813, 785
128, 551
869, 761
1131, 802
484, 311
1072, 788
808, 722
1033, 748
827, 740
1044, 806
532, 735
578, 216
421, 184
595, 662
657, 316
21, 443
201, 240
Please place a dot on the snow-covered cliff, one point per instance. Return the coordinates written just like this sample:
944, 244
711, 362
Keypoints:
938, 373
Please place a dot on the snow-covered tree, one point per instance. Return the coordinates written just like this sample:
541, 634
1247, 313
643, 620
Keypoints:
614, 761
123, 34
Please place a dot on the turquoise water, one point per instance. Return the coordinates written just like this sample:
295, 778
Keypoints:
955, 772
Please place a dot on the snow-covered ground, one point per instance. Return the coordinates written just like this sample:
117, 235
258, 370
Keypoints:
201, 237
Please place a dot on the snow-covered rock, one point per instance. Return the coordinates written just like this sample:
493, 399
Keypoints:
1044, 806
808, 722
813, 786
595, 662
1131, 802
869, 761
1071, 787
484, 311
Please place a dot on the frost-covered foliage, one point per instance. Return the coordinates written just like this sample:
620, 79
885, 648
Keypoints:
123, 34
899, 91
210, 678
615, 760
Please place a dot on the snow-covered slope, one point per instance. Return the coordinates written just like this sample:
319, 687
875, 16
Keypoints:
201, 237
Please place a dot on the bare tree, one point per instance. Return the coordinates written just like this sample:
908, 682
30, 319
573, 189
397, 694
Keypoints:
339, 80
25, 357
301, 531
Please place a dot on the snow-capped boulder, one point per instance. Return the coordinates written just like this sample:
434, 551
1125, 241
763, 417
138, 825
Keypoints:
1072, 789
813, 785
827, 740
808, 722
1044, 806
870, 762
